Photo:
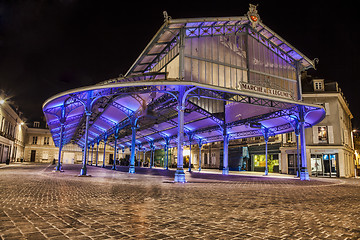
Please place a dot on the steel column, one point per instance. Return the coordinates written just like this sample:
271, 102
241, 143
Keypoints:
138, 155
115, 152
83, 171
144, 157
297, 149
97, 152
167, 141
123, 152
167, 157
132, 156
180, 174
190, 135
304, 174
58, 167
105, 140
92, 154
266, 138
200, 145
225, 170
151, 154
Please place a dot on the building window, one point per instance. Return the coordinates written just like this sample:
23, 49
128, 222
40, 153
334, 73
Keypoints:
319, 85
46, 140
34, 140
36, 124
322, 134
289, 137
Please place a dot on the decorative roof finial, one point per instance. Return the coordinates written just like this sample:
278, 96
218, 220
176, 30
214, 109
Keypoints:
166, 16
253, 15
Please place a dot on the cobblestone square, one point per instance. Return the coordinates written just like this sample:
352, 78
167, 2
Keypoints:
37, 203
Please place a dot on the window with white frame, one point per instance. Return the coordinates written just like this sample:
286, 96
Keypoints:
322, 134
318, 85
34, 140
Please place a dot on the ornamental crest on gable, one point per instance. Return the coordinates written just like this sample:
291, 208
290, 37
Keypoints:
253, 15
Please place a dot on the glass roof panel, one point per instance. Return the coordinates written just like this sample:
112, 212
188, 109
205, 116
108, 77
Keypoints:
193, 24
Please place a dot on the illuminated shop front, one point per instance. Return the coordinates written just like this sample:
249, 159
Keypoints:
260, 160
325, 162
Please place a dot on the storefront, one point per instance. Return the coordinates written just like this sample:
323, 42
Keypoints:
324, 162
258, 160
260, 163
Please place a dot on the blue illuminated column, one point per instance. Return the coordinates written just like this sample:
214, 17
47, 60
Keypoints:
225, 170
151, 153
132, 156
167, 141
92, 153
97, 152
144, 156
297, 133
105, 140
115, 150
83, 170
180, 174
304, 174
138, 155
88, 153
200, 145
164, 155
266, 138
58, 166
62, 121
123, 152
190, 135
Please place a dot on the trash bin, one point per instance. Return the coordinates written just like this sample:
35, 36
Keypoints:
7, 161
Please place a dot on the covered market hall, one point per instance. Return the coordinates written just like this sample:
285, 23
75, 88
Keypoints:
199, 80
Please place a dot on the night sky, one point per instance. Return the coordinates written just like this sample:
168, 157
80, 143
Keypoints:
47, 47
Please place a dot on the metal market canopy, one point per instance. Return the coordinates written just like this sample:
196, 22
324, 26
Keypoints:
230, 76
167, 37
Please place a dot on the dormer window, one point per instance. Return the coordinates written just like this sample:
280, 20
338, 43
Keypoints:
318, 84
36, 124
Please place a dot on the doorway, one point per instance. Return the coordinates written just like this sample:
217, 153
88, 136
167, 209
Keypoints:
292, 164
111, 159
33, 155
329, 162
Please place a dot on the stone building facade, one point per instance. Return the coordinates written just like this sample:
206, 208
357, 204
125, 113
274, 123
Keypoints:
40, 147
330, 146
12, 133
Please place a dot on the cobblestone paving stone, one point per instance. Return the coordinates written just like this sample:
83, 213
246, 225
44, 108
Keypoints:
36, 203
